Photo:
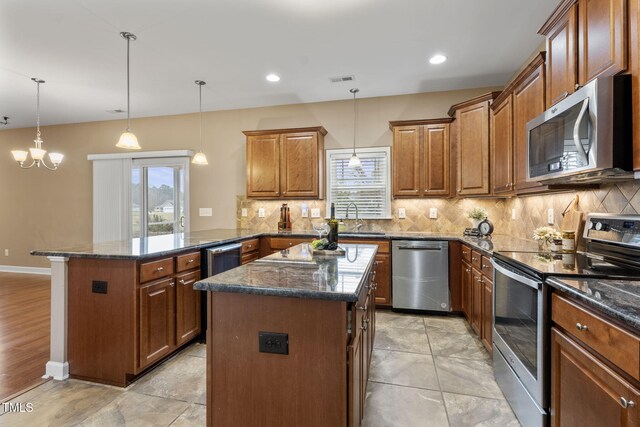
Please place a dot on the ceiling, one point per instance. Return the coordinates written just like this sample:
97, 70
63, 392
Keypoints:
233, 44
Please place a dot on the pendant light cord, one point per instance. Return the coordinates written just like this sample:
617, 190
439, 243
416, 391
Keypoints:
38, 139
355, 117
128, 90
200, 89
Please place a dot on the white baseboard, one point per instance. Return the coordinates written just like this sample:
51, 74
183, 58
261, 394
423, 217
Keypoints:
57, 370
26, 270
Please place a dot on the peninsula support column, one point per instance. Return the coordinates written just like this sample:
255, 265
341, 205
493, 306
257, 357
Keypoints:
58, 366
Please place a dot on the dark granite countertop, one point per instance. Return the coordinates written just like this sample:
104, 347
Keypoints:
619, 299
296, 273
169, 244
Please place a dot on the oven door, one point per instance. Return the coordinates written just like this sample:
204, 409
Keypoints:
520, 323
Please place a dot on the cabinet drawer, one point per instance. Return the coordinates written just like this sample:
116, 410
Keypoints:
384, 246
188, 261
466, 253
278, 243
156, 269
250, 245
476, 259
615, 344
486, 267
250, 256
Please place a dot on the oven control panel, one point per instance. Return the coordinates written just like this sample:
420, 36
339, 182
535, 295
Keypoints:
622, 229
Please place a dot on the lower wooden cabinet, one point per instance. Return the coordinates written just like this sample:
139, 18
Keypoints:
188, 306
157, 320
486, 335
355, 382
476, 301
585, 391
477, 294
382, 269
466, 289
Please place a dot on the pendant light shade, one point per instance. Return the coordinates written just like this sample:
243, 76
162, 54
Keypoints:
128, 140
354, 161
200, 158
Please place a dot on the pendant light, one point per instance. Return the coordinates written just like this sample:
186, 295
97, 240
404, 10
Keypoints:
200, 158
354, 161
128, 139
37, 153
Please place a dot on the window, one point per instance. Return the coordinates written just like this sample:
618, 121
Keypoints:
368, 187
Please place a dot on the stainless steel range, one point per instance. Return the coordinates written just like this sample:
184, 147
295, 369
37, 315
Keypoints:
521, 306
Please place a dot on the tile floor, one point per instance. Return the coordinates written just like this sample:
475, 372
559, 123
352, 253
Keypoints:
426, 371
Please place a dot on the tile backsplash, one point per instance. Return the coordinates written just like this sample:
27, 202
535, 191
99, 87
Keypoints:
531, 211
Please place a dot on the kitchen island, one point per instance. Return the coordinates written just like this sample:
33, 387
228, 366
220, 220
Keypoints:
289, 339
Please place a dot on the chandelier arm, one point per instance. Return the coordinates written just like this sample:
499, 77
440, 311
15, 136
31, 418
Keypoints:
33, 163
48, 167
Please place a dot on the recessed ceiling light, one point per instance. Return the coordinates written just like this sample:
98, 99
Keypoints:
273, 78
437, 59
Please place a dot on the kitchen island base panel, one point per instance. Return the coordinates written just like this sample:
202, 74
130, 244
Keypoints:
58, 365
247, 387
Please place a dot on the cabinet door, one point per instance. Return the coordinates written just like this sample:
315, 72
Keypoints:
528, 103
502, 147
562, 57
584, 391
487, 314
436, 160
300, 165
157, 320
354, 353
383, 279
406, 161
187, 308
263, 166
476, 301
602, 38
473, 149
466, 289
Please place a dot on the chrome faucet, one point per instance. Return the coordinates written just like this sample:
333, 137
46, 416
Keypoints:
346, 216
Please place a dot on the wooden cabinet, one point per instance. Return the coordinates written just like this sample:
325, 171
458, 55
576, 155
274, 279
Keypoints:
250, 251
285, 163
486, 335
502, 146
528, 103
275, 244
421, 158
355, 392
585, 39
157, 321
472, 120
382, 269
466, 289
585, 391
188, 306
477, 294
476, 301
634, 61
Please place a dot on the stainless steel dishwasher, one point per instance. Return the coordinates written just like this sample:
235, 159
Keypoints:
420, 276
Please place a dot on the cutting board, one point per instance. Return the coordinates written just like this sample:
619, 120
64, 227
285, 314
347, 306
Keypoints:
573, 220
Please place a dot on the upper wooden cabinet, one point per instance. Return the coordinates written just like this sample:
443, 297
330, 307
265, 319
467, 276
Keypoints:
285, 163
634, 60
421, 158
472, 119
502, 145
585, 39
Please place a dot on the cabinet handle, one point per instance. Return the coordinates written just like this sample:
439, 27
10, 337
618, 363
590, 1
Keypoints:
160, 268
182, 281
172, 284
249, 246
566, 93
190, 261
627, 403
474, 259
467, 270
581, 327
577, 86
290, 244
363, 308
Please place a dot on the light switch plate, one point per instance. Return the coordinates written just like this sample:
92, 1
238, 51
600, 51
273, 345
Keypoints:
550, 216
244, 212
206, 212
315, 213
402, 213
6, 252
513, 213
304, 211
433, 213
260, 212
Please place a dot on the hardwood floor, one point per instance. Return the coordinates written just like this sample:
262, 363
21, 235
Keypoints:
25, 316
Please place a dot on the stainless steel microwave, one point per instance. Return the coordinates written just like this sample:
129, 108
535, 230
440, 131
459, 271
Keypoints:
585, 138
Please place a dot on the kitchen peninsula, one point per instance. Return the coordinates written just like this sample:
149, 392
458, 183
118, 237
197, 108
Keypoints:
290, 337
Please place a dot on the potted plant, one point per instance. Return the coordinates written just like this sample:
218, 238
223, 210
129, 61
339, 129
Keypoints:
544, 236
476, 215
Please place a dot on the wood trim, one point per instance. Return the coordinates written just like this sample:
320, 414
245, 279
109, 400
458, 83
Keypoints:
556, 16
522, 76
419, 122
469, 102
319, 129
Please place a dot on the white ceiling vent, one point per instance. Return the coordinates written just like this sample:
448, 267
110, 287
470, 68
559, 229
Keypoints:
341, 79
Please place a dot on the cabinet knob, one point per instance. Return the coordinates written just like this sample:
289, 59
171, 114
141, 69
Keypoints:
581, 327
160, 268
577, 86
467, 270
190, 261
627, 403
566, 93
474, 259
172, 284
290, 244
284, 192
182, 281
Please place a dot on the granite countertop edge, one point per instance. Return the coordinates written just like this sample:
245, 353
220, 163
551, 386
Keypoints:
277, 292
628, 319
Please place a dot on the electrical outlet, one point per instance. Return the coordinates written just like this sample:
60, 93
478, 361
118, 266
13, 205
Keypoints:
315, 213
513, 213
6, 252
261, 213
244, 213
304, 211
550, 216
206, 212
433, 213
402, 213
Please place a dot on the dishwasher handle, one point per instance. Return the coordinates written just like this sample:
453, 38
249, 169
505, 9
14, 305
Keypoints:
226, 248
417, 248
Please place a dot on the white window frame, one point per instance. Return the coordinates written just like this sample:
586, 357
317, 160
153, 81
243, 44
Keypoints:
347, 152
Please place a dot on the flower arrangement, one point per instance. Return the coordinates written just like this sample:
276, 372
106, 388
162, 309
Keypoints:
477, 213
546, 234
